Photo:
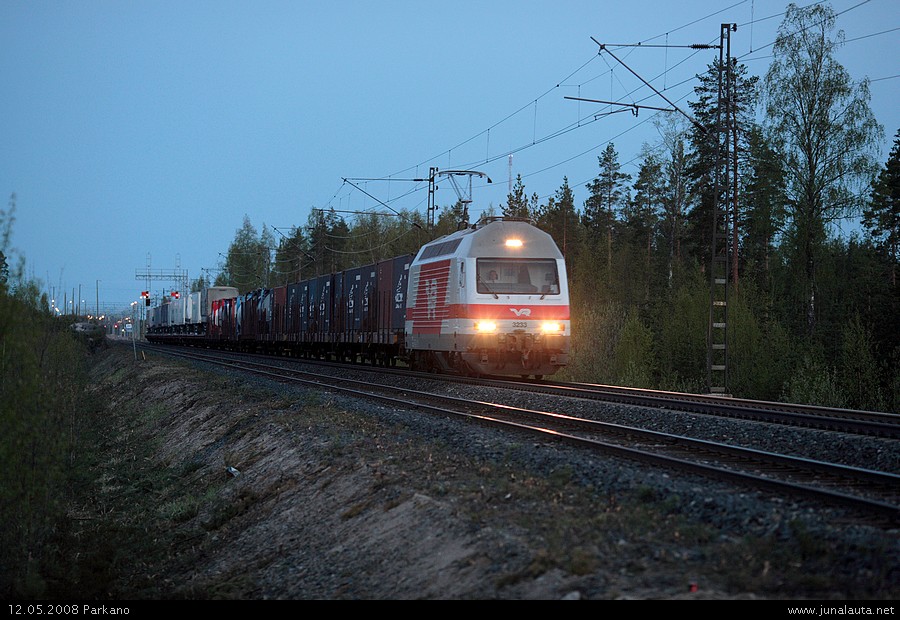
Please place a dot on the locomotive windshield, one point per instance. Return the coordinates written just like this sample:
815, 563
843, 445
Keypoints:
510, 276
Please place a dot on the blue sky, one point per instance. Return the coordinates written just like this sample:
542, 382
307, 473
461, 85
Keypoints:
139, 134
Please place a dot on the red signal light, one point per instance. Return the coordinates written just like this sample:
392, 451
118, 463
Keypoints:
176, 294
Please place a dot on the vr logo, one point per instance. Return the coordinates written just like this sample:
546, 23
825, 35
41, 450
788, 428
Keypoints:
521, 312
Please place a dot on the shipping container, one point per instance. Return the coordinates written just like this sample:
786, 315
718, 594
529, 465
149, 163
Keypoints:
279, 312
294, 312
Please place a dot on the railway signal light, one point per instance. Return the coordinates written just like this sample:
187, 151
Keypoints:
175, 294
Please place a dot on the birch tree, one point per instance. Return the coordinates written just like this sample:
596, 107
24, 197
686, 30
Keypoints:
824, 132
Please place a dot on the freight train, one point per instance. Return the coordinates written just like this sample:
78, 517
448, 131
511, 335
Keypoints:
490, 299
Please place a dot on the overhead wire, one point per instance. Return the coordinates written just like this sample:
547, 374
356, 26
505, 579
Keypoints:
372, 248
569, 128
690, 79
535, 140
585, 120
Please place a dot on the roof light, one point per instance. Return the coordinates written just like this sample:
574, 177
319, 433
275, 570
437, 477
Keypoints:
514, 243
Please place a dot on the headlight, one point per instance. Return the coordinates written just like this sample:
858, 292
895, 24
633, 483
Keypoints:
551, 327
485, 327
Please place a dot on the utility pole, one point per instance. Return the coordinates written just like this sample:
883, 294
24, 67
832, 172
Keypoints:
726, 122
717, 328
432, 172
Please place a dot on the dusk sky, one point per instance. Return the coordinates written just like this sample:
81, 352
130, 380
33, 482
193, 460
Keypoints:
139, 134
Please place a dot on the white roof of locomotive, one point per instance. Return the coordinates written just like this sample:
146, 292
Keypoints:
488, 239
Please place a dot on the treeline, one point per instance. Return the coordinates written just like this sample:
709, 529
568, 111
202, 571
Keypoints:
42, 405
812, 313
43, 454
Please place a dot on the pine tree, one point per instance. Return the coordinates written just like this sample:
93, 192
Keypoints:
199, 284
706, 136
609, 194
642, 214
517, 202
4, 270
882, 216
764, 206
559, 217
7, 218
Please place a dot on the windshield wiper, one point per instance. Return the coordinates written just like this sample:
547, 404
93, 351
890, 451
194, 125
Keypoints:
489, 290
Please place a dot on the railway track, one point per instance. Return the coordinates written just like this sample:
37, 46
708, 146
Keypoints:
866, 423
869, 423
874, 494
872, 423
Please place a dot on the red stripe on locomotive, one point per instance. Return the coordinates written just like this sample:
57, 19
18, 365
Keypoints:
520, 312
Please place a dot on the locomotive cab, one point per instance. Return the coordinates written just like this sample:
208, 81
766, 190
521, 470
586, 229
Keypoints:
489, 300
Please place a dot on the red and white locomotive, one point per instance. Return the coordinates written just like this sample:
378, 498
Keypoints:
491, 299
